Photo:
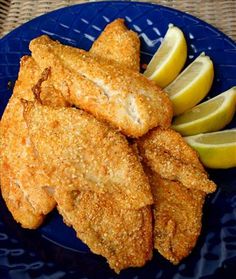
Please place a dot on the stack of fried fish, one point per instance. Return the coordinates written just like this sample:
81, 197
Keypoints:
64, 143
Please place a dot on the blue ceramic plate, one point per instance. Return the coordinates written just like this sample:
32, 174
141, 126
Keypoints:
53, 251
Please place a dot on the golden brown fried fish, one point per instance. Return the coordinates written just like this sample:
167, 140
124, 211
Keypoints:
177, 217
166, 153
125, 99
86, 153
23, 183
100, 187
119, 44
179, 185
123, 236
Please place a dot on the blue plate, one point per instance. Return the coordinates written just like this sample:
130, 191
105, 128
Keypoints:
53, 251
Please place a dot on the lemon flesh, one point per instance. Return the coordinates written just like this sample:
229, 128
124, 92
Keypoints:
192, 85
209, 116
216, 150
169, 59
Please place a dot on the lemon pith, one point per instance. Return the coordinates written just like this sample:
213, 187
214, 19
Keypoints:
169, 59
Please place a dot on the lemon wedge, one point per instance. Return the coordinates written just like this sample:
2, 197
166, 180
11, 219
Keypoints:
216, 150
169, 59
192, 85
209, 116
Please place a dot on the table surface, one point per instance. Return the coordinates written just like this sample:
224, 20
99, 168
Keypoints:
220, 14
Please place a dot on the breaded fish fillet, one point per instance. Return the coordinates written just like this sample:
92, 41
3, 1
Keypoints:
125, 99
86, 153
100, 187
123, 236
23, 183
119, 44
179, 185
166, 153
18, 203
177, 217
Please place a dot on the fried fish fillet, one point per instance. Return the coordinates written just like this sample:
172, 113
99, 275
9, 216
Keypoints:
86, 153
123, 236
100, 187
179, 185
119, 44
177, 217
166, 153
23, 183
119, 96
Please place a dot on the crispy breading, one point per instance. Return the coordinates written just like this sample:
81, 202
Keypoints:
179, 185
177, 217
86, 153
125, 99
123, 236
119, 44
100, 187
23, 183
18, 203
44, 89
166, 153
